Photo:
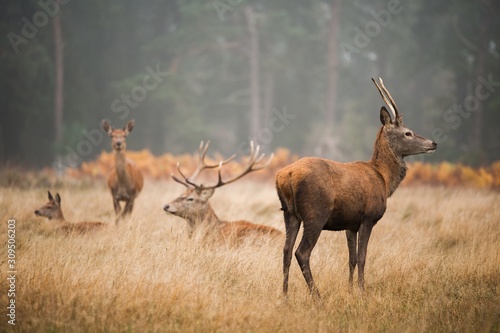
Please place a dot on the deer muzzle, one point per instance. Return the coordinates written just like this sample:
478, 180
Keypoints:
431, 149
169, 209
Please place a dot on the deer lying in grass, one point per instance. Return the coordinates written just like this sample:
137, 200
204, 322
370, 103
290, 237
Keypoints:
125, 180
194, 207
327, 195
52, 211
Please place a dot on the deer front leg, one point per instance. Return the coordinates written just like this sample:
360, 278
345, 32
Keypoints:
352, 239
364, 235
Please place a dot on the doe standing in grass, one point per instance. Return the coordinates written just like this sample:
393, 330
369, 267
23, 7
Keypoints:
327, 195
125, 180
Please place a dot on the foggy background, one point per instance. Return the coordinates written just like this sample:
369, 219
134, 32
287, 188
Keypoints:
294, 74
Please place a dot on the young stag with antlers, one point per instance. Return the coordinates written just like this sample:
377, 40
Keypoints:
193, 204
52, 211
125, 180
326, 195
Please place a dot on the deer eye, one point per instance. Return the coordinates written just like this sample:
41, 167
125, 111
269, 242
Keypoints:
190, 199
408, 134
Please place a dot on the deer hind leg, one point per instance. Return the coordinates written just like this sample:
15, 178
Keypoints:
352, 242
303, 254
364, 235
292, 226
118, 218
116, 205
129, 205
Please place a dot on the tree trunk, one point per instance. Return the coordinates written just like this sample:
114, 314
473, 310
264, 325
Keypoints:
59, 77
477, 130
268, 96
331, 93
255, 121
327, 145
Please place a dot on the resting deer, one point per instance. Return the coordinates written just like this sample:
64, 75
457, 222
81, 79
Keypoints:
194, 207
125, 180
52, 211
327, 195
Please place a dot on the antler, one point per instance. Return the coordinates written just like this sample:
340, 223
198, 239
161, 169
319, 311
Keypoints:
253, 160
202, 152
386, 96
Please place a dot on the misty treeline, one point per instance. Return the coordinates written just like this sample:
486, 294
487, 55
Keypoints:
294, 74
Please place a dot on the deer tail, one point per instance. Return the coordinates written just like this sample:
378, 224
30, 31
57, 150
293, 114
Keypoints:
286, 193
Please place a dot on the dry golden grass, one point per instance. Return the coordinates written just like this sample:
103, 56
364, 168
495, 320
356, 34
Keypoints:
433, 266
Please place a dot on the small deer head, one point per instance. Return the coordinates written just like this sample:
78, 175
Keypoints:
191, 205
402, 140
118, 136
52, 209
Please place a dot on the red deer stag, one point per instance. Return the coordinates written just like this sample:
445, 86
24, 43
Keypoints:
327, 195
125, 180
194, 207
52, 211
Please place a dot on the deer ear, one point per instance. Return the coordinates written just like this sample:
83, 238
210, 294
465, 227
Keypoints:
58, 199
51, 198
385, 117
107, 127
206, 193
129, 127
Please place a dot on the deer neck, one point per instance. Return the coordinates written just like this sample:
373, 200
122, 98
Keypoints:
387, 163
210, 217
121, 167
207, 217
58, 217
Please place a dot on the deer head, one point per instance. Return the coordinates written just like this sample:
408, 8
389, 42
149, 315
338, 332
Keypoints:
118, 136
402, 140
193, 204
52, 209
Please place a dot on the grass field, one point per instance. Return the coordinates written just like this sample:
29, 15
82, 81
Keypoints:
433, 266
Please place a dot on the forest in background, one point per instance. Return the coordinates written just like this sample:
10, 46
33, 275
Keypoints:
291, 74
